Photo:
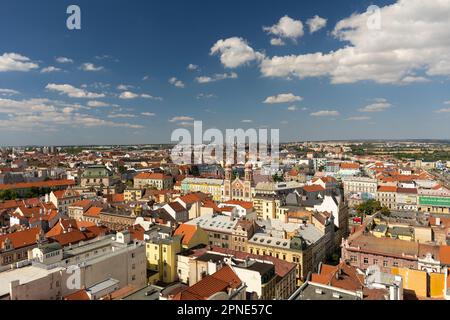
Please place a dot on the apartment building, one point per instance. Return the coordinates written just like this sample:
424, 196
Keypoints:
362, 185
55, 272
218, 227
214, 187
159, 181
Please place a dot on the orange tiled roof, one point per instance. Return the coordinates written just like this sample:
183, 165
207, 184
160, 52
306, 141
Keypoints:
187, 231
220, 281
349, 165
78, 295
119, 197
193, 197
151, 175
245, 204
93, 212
21, 239
444, 255
387, 189
82, 203
39, 184
313, 188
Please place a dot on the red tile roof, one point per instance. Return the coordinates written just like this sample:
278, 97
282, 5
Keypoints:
78, 295
314, 188
245, 204
40, 184
281, 267
220, 281
187, 231
349, 165
387, 189
21, 239
93, 212
151, 175
444, 255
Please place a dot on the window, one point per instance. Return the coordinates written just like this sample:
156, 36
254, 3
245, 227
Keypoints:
366, 260
395, 264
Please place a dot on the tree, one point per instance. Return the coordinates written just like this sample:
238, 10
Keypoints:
368, 208
277, 178
8, 195
385, 211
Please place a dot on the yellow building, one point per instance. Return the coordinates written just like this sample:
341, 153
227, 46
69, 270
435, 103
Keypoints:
162, 257
396, 232
133, 194
290, 250
192, 236
208, 186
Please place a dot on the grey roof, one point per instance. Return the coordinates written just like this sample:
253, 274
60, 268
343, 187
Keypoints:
312, 291
50, 247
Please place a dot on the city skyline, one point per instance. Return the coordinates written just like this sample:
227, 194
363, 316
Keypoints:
137, 71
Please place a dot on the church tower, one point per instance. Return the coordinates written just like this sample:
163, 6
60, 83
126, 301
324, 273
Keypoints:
227, 182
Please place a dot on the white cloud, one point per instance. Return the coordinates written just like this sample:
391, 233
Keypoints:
216, 77
16, 62
358, 118
64, 60
177, 83
206, 96
286, 28
96, 104
124, 87
144, 78
316, 23
126, 95
234, 52
148, 96
181, 118
414, 79
50, 69
8, 92
247, 121
443, 110
148, 114
447, 102
376, 107
90, 67
277, 42
282, 98
325, 113
292, 108
73, 92
193, 67
45, 114
121, 115
413, 39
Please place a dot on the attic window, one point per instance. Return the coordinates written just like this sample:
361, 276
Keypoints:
319, 291
336, 295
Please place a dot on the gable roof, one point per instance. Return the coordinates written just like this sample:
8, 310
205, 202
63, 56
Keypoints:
244, 204
220, 281
313, 188
187, 231
93, 212
151, 175
20, 239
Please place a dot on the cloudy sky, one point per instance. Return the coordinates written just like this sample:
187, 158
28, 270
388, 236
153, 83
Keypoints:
137, 70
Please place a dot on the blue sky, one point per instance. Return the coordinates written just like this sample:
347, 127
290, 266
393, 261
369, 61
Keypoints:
328, 84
